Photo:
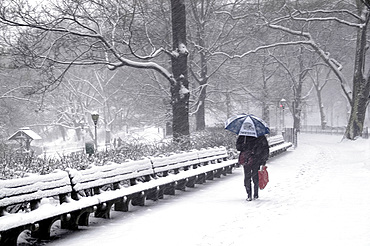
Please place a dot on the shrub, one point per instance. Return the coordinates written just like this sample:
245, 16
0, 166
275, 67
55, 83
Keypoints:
12, 166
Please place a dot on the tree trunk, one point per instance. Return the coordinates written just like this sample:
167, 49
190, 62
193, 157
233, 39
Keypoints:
200, 114
321, 109
266, 112
361, 87
319, 89
297, 102
265, 97
228, 104
63, 132
200, 20
319, 98
180, 86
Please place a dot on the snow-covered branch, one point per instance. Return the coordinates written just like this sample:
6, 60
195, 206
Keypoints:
308, 40
263, 47
330, 18
332, 11
70, 27
232, 16
9, 93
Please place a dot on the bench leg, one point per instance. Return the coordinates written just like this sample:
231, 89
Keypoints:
138, 199
201, 179
228, 170
9, 238
153, 194
210, 175
122, 204
83, 220
224, 171
218, 173
191, 182
44, 227
103, 210
72, 220
181, 184
160, 193
69, 221
169, 189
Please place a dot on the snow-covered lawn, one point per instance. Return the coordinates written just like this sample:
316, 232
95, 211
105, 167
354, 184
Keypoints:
319, 194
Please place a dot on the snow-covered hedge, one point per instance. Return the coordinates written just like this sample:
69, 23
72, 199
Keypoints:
12, 167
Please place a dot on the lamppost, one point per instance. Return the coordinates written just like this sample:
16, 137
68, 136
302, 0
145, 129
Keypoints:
95, 118
282, 106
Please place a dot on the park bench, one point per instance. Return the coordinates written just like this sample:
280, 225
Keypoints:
134, 182
27, 204
182, 170
111, 184
278, 145
35, 203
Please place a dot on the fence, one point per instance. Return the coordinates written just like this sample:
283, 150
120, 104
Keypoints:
331, 130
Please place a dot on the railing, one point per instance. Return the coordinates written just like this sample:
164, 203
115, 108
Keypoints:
331, 130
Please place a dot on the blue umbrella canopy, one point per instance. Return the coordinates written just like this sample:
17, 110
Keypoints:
247, 125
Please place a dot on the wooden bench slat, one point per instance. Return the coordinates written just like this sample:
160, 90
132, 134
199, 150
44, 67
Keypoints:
174, 158
34, 196
280, 147
176, 166
45, 211
275, 140
33, 188
111, 195
102, 175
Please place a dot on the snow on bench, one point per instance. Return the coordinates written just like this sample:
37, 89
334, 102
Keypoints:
278, 145
22, 203
134, 182
35, 203
189, 168
97, 180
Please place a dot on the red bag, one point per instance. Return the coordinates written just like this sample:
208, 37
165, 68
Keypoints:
245, 158
263, 176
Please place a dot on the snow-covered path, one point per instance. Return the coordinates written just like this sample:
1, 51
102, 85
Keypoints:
319, 194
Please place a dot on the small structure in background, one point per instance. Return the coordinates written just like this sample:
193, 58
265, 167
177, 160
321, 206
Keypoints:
24, 136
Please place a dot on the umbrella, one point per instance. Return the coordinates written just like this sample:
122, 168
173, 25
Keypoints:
247, 125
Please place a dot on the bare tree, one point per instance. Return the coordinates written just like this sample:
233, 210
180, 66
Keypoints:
213, 33
319, 85
180, 83
55, 36
209, 34
358, 97
292, 18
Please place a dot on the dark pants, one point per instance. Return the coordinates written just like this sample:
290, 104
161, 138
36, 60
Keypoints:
251, 173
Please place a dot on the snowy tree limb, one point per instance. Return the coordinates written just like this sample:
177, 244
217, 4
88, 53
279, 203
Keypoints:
85, 31
263, 47
309, 41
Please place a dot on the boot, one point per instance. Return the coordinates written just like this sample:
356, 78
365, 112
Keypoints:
249, 192
255, 192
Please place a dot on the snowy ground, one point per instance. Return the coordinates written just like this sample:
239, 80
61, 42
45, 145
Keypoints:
319, 194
